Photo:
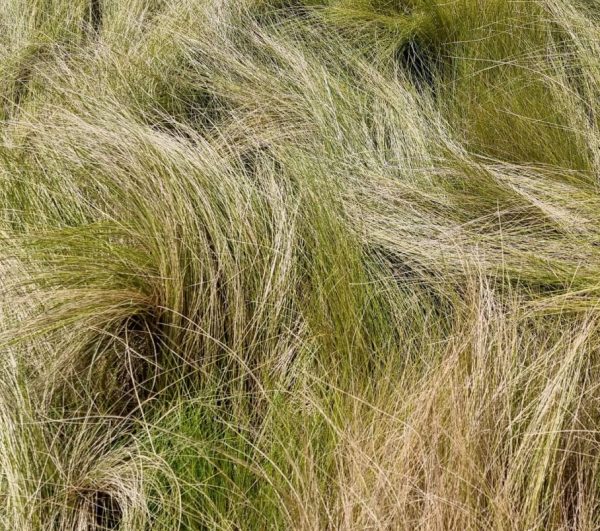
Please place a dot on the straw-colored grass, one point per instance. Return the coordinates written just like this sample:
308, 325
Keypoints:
299, 265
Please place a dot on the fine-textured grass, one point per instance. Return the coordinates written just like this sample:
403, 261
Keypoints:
299, 265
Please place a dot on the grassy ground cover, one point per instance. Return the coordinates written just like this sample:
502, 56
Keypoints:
299, 265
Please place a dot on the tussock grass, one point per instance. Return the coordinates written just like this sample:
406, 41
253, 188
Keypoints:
299, 265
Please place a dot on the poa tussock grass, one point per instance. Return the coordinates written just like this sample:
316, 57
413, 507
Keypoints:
299, 265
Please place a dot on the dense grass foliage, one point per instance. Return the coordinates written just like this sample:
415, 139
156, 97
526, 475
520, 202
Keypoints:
299, 264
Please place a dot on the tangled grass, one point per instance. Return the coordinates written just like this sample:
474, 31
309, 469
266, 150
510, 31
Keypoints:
299, 265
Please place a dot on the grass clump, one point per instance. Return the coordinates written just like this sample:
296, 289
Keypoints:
299, 265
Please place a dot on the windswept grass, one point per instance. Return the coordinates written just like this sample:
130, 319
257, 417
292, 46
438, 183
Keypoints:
299, 265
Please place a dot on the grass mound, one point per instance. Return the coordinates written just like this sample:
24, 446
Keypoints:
299, 264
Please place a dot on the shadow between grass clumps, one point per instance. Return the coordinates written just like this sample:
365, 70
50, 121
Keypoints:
420, 65
32, 56
107, 510
94, 16
200, 112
